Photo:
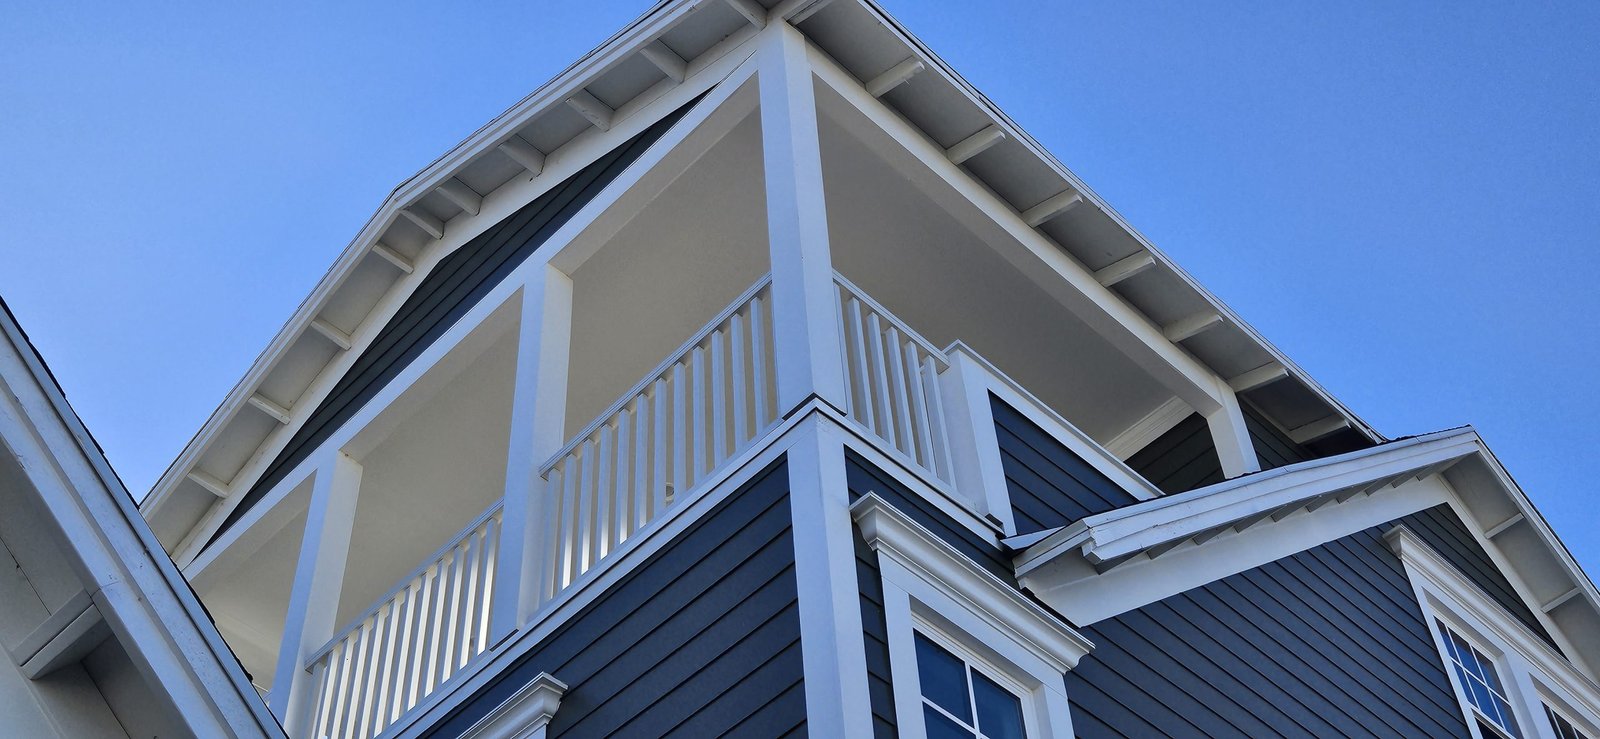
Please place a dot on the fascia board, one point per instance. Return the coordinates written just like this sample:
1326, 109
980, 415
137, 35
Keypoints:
548, 96
1023, 137
1125, 530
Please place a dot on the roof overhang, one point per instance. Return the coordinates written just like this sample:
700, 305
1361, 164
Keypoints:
1113, 562
674, 51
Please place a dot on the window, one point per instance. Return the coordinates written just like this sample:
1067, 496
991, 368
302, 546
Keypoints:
959, 701
1561, 726
1477, 679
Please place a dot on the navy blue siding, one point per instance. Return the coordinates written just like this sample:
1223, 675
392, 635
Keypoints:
1328, 642
1049, 485
1443, 530
703, 640
880, 682
1273, 447
1182, 459
448, 291
862, 478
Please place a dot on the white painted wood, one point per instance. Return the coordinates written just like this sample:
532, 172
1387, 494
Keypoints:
975, 144
1446, 594
825, 573
894, 77
1504, 526
752, 12
1189, 327
518, 150
265, 405
977, 470
319, 577
806, 346
1066, 280
524, 715
1146, 430
464, 197
400, 649
433, 226
1052, 207
211, 484
331, 333
666, 60
883, 363
393, 257
1560, 600
623, 462
797, 11
1259, 377
949, 582
1235, 449
1318, 429
1124, 268
597, 113
538, 415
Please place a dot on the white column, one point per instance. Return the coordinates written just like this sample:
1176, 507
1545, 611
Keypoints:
538, 417
1232, 438
318, 579
805, 320
974, 447
832, 650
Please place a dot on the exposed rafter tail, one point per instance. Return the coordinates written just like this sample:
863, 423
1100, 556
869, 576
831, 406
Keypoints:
975, 144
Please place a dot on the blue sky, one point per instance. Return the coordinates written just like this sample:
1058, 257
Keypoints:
1401, 196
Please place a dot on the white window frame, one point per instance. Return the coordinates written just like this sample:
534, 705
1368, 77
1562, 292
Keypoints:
930, 587
1531, 671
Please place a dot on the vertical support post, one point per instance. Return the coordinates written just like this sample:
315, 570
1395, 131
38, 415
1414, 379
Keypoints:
318, 580
974, 446
538, 417
1232, 438
832, 648
805, 322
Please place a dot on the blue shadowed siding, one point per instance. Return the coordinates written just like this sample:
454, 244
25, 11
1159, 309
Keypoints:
446, 293
1328, 642
1049, 484
864, 478
1443, 530
1182, 459
703, 640
1273, 447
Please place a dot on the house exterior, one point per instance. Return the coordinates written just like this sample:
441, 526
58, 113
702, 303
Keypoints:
103, 638
758, 376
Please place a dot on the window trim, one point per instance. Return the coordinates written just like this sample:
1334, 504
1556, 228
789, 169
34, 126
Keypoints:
1530, 670
929, 585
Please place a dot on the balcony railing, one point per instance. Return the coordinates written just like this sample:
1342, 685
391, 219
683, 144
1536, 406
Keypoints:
892, 377
654, 444
411, 641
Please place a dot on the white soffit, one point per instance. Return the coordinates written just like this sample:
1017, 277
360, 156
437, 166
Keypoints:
582, 113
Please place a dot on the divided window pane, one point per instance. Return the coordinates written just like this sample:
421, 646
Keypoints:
1476, 673
959, 702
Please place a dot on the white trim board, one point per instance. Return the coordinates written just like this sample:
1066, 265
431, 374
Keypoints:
1538, 672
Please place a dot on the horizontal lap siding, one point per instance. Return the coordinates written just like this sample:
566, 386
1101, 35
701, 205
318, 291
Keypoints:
1273, 447
864, 478
1443, 530
1182, 459
446, 293
702, 640
1049, 485
1328, 642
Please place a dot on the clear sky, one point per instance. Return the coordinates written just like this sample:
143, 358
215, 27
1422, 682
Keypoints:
1401, 196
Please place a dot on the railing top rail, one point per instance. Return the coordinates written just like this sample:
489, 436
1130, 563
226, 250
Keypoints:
403, 582
659, 370
889, 316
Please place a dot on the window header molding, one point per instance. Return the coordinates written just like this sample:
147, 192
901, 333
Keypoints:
894, 535
1445, 593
